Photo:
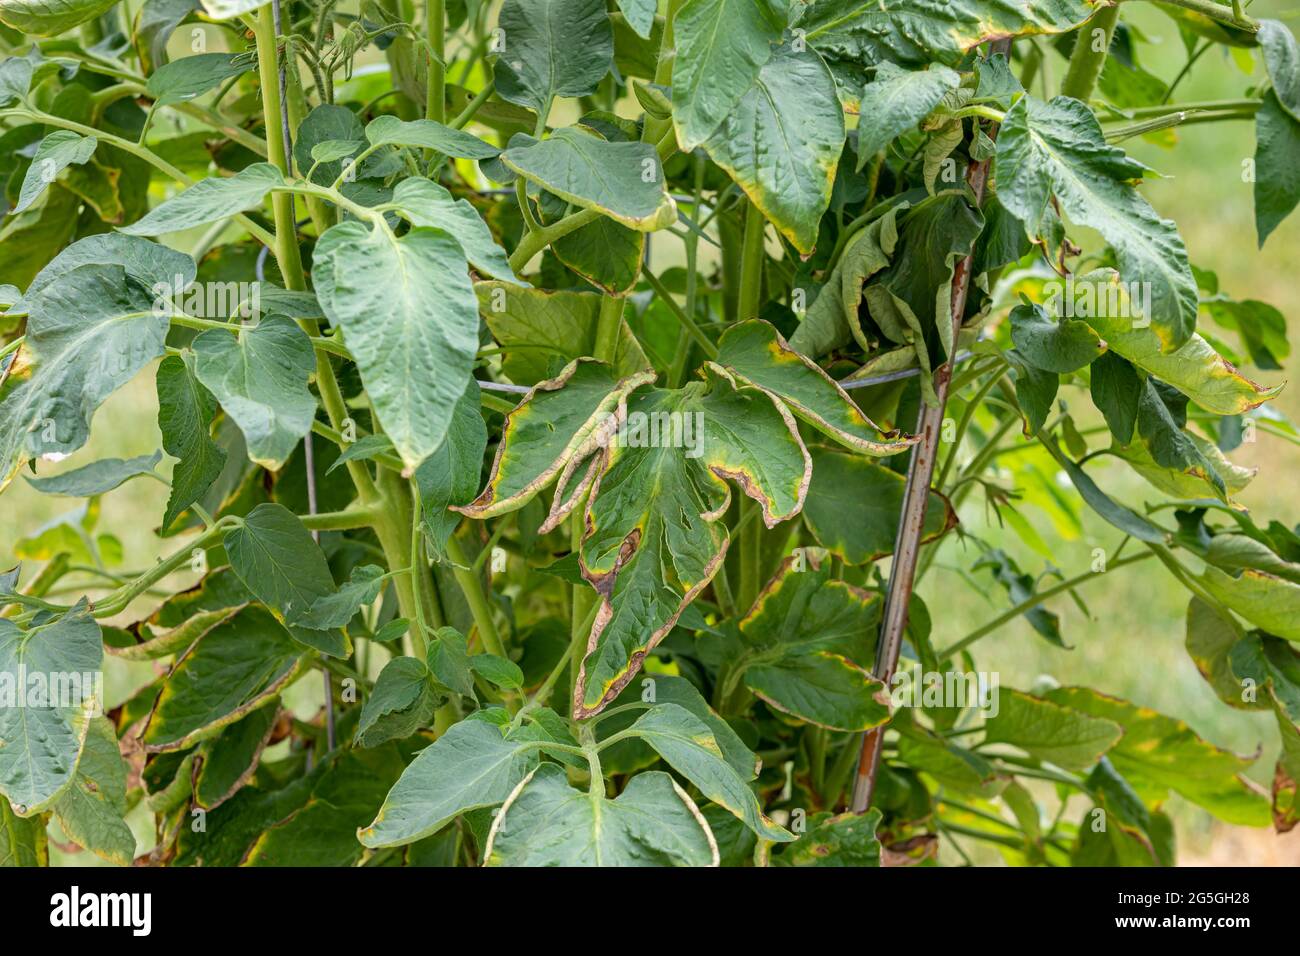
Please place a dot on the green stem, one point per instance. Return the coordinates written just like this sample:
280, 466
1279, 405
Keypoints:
1032, 602
472, 587
287, 253
535, 242
1087, 60
1232, 16
435, 107
689, 327
346, 520
608, 325
473, 106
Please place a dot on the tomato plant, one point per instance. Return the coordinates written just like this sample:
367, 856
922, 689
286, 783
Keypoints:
559, 401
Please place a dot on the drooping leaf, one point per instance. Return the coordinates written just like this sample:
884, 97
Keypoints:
1116, 390
448, 659
209, 200
1264, 599
407, 310
782, 140
854, 504
541, 332
401, 702
653, 822
91, 811
185, 413
832, 319
560, 423
98, 477
755, 353
191, 76
721, 46
624, 181
896, 100
1277, 179
43, 738
653, 541
1194, 368
1058, 149
553, 48
1282, 58
810, 644
497, 671
230, 760
450, 476
472, 765
237, 667
688, 746
55, 153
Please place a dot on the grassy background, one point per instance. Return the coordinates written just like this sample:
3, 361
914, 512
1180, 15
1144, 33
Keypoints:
1132, 643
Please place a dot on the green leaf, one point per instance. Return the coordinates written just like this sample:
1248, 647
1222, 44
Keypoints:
423, 202
540, 332
1265, 600
1115, 514
209, 200
1282, 58
408, 313
98, 477
497, 671
468, 767
896, 100
624, 181
921, 31
1020, 587
653, 540
1194, 368
1207, 470
259, 375
782, 140
88, 332
337, 609
237, 667
1052, 345
1050, 732
276, 558
47, 18
553, 48
185, 413
605, 253
832, 319
688, 746
1169, 445
230, 760
848, 839
1116, 390
1058, 149
450, 476
561, 422
1277, 176
1158, 753
192, 76
402, 701
754, 353
55, 153
810, 642
854, 504
322, 831
640, 15
449, 661
652, 822
721, 46
43, 739
428, 134
22, 842
91, 811
1035, 391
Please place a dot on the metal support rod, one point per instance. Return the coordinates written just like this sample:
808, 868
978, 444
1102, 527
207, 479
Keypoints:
916, 494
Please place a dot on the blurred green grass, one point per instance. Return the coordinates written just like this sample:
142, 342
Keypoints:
1131, 645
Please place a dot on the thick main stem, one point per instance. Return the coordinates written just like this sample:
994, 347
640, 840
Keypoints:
1090, 54
916, 495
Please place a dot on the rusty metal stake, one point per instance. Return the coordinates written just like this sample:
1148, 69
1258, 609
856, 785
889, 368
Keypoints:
916, 495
